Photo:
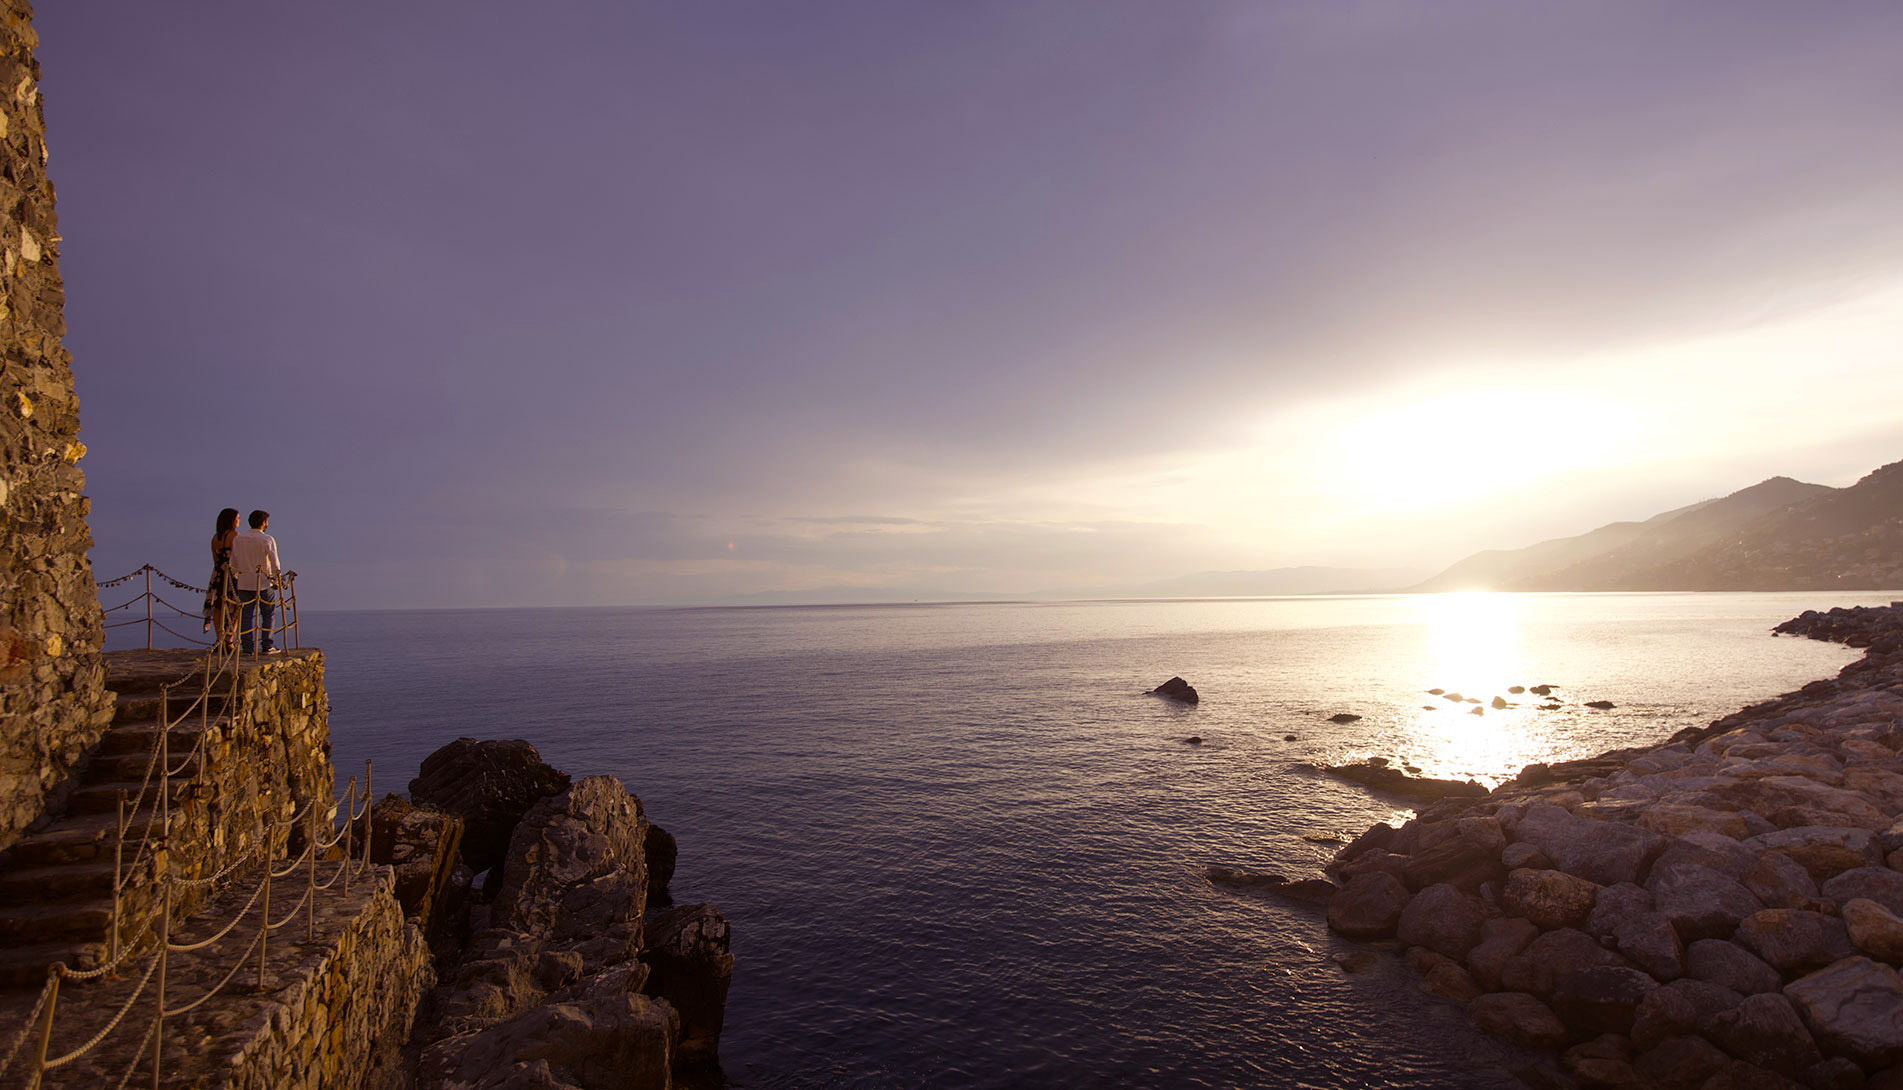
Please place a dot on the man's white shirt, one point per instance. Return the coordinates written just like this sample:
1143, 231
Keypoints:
254, 560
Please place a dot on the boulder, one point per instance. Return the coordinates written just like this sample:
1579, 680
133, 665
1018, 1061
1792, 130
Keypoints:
489, 785
1604, 852
1836, 1073
1549, 898
1679, 1062
606, 1041
686, 952
1855, 1008
1467, 858
1615, 904
1824, 851
1677, 819
1177, 689
1649, 941
1601, 999
1343, 717
1701, 902
1879, 884
1874, 930
1374, 839
1780, 882
1519, 1018
1730, 965
1677, 1009
1517, 856
1500, 939
576, 873
420, 843
1307, 890
1765, 1030
1444, 919
1794, 940
1705, 848
1368, 907
1539, 968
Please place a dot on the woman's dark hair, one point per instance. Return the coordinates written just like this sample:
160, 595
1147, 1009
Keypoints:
227, 520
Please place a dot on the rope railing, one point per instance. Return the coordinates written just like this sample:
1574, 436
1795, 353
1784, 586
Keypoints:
151, 939
281, 594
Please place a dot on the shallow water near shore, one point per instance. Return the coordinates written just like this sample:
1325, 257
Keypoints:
960, 849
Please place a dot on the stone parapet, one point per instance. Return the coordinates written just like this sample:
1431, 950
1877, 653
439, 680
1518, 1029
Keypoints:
53, 705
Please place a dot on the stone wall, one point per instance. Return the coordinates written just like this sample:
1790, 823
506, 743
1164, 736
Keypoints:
52, 703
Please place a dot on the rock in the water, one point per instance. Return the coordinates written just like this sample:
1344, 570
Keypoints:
1368, 907
1445, 920
1498, 703
1288, 738
1177, 689
1344, 717
1393, 779
689, 965
490, 785
1855, 1007
1602, 705
1308, 890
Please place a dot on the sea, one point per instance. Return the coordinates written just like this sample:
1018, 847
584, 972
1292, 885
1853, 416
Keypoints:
959, 846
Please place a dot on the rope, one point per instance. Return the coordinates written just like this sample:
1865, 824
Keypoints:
26, 1028
188, 947
243, 959
138, 1054
291, 915
110, 1026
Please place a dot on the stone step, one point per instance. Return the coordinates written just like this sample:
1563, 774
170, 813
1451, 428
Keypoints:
107, 768
84, 839
138, 737
103, 798
57, 882
25, 966
142, 707
53, 921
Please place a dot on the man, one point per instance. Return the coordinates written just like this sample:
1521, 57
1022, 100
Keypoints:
254, 566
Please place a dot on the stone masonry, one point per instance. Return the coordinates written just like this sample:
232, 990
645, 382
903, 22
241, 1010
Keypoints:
52, 701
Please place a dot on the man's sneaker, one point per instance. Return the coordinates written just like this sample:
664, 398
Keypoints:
274, 650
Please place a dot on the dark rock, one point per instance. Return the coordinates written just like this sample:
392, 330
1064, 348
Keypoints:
1375, 838
1604, 852
1477, 711
1680, 1062
1176, 689
1780, 882
1500, 940
1519, 1018
489, 785
1516, 689
1343, 717
1601, 999
1822, 850
420, 843
1394, 780
1498, 703
1855, 1007
1368, 907
1307, 890
1547, 959
1679, 1008
1649, 940
1541, 690
1444, 919
1549, 898
1879, 884
1766, 1031
661, 852
1288, 738
1794, 940
1838, 1073
686, 951
1193, 740
607, 1039
1602, 705
1614, 904
1701, 903
1732, 966
1467, 859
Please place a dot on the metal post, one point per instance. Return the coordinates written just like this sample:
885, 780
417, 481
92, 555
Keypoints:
264, 921
148, 606
310, 891
350, 824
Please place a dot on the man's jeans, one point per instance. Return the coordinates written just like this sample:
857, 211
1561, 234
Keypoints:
264, 602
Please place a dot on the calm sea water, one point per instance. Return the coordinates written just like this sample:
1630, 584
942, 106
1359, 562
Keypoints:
960, 849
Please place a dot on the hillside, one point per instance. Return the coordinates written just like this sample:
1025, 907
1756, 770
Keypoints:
1779, 534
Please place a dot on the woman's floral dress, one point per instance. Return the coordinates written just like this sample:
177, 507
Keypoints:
220, 568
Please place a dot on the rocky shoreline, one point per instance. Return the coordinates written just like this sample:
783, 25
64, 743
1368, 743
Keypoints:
1724, 910
560, 962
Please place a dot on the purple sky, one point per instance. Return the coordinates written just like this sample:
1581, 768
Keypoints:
608, 302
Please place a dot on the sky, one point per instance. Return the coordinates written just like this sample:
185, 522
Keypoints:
592, 303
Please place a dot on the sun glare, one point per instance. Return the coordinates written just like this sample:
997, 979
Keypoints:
1472, 649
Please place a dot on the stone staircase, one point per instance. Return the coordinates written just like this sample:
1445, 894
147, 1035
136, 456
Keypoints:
56, 881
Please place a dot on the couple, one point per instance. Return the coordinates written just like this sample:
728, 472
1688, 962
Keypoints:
244, 577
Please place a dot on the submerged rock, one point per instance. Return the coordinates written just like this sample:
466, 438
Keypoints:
1379, 775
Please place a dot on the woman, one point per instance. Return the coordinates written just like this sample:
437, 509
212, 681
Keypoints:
218, 594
